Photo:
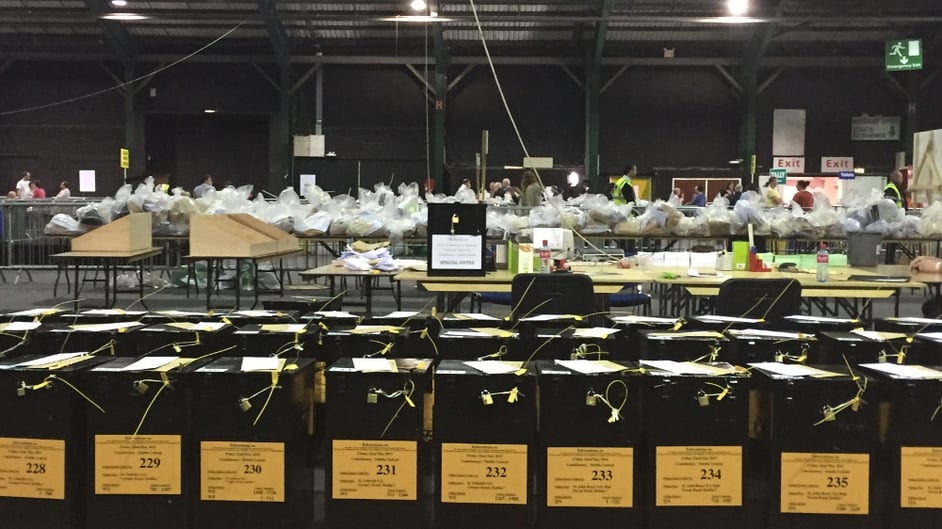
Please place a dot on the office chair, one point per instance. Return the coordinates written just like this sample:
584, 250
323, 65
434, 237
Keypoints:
759, 298
497, 298
560, 293
631, 296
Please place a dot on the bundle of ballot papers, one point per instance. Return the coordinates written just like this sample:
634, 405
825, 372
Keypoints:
375, 259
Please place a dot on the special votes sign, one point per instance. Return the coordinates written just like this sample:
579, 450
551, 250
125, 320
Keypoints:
836, 164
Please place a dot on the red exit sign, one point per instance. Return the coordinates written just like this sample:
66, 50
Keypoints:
836, 164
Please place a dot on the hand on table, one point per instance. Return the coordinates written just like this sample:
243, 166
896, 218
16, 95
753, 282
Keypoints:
924, 263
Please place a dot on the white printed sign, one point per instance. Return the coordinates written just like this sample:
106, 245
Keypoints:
457, 252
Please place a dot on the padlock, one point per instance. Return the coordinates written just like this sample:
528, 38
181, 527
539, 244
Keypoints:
244, 404
487, 398
828, 413
881, 357
21, 390
140, 386
372, 397
703, 399
591, 399
779, 357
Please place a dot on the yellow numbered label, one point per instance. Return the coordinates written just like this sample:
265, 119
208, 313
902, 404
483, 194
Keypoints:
589, 477
374, 470
484, 473
234, 471
146, 464
32, 468
920, 477
698, 476
825, 483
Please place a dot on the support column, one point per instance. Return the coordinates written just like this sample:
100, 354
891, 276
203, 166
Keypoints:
136, 152
592, 106
913, 85
284, 173
747, 129
440, 87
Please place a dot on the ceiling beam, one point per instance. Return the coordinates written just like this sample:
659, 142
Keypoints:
114, 32
276, 31
779, 62
769, 80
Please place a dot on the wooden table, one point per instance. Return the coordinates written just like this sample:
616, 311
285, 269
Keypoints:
212, 260
108, 261
838, 286
332, 272
606, 279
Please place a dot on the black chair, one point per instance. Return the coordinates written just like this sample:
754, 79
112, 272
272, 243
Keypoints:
559, 293
631, 296
759, 298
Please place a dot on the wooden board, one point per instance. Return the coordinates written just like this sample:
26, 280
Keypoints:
126, 234
236, 235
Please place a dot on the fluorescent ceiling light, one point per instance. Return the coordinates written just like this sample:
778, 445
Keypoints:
209, 111
119, 3
418, 5
415, 18
124, 16
737, 8
730, 20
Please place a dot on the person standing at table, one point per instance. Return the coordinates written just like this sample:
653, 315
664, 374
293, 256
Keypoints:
803, 197
894, 189
204, 187
531, 190
735, 195
36, 190
699, 197
772, 197
64, 191
624, 191
22, 186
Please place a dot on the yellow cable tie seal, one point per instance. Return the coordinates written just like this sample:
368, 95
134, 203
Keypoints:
408, 400
323, 326
723, 394
520, 372
512, 397
226, 320
677, 325
164, 378
424, 334
274, 378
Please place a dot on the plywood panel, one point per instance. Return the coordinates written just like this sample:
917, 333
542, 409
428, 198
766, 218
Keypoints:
128, 233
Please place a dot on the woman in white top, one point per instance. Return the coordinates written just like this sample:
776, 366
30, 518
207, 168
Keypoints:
63, 191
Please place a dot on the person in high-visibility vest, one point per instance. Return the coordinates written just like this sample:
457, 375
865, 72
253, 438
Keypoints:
624, 191
894, 189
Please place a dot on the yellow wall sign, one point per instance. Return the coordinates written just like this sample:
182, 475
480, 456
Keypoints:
146, 464
825, 483
589, 477
920, 477
698, 476
32, 468
374, 470
125, 159
484, 473
234, 471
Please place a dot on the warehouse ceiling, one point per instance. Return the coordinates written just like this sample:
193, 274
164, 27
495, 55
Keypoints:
683, 32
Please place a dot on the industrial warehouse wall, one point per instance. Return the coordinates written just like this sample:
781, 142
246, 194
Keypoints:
374, 120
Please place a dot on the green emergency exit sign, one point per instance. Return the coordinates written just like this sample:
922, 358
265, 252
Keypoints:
903, 55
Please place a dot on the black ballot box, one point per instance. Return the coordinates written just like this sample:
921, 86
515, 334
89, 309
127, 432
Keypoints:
362, 340
472, 319
627, 341
695, 423
683, 345
245, 317
252, 443
118, 338
479, 343
192, 339
100, 316
716, 322
590, 445
763, 345
378, 458
175, 315
137, 467
484, 444
910, 416
860, 347
808, 324
925, 349
908, 325
287, 340
419, 332
42, 440
818, 432
590, 343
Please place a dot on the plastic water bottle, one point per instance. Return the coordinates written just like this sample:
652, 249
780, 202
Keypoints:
545, 260
823, 255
